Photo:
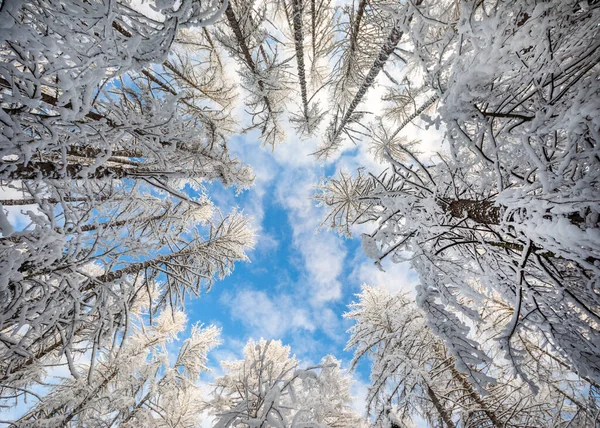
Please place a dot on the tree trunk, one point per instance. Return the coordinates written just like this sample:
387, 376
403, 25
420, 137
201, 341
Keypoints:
117, 223
237, 31
92, 152
52, 201
31, 417
52, 171
439, 407
140, 266
487, 212
415, 114
360, 11
298, 40
46, 170
95, 226
483, 212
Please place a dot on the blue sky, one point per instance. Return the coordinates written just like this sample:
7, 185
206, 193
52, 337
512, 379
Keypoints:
301, 277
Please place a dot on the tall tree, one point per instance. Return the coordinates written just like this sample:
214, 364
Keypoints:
310, 117
320, 30
359, 33
263, 73
346, 115
464, 252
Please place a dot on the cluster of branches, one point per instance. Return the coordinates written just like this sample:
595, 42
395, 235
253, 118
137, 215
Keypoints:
414, 375
268, 388
141, 385
339, 50
136, 384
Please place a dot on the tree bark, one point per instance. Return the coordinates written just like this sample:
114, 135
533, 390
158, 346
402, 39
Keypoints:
487, 212
47, 170
439, 407
483, 212
52, 171
52, 201
237, 31
298, 40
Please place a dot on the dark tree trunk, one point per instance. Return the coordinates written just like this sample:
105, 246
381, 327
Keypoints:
483, 212
46, 170
239, 36
52, 171
52, 201
442, 412
298, 40
360, 11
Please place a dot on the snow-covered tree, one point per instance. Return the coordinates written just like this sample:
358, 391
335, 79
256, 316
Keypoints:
320, 32
263, 71
310, 49
392, 19
359, 34
59, 59
412, 374
136, 384
103, 144
268, 388
81, 300
510, 211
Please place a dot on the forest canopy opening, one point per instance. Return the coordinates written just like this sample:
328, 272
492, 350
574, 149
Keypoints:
459, 139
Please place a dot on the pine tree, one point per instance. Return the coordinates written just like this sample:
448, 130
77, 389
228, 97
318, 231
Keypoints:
348, 115
264, 73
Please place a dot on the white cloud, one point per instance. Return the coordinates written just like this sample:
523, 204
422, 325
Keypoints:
323, 258
323, 252
398, 277
231, 349
266, 316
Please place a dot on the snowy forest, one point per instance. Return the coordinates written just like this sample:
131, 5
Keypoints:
474, 127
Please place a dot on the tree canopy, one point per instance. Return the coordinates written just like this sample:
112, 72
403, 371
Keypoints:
116, 119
